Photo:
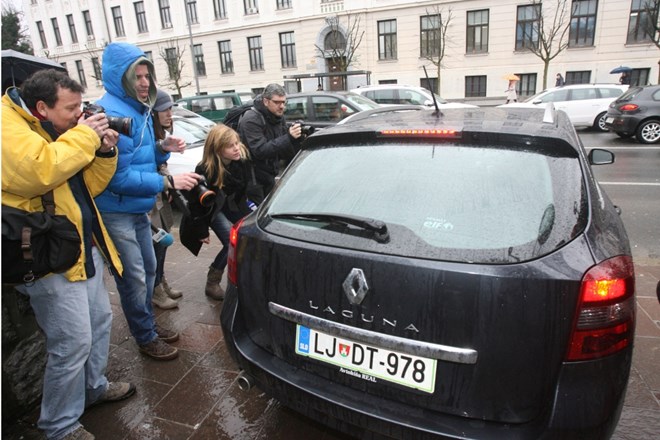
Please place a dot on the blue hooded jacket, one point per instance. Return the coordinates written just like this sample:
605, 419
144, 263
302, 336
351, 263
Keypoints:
136, 182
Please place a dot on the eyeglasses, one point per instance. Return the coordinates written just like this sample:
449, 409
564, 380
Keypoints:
277, 102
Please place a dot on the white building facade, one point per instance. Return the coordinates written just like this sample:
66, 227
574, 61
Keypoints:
242, 45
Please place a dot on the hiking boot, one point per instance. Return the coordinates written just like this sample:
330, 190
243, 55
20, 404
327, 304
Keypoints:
166, 335
79, 433
115, 392
159, 350
162, 300
213, 289
174, 294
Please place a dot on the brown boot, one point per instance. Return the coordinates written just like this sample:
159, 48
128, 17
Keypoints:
161, 300
174, 294
213, 289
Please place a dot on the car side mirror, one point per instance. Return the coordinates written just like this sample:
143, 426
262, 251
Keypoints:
598, 156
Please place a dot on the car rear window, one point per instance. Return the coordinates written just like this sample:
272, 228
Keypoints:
449, 202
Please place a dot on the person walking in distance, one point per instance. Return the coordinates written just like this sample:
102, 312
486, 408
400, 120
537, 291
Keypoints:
129, 81
161, 215
47, 145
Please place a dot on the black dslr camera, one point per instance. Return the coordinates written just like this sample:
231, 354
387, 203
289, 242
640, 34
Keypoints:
117, 123
200, 193
305, 130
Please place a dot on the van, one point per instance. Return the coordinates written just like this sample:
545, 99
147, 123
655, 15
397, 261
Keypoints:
213, 107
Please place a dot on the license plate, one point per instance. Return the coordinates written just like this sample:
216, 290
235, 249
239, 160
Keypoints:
609, 120
365, 361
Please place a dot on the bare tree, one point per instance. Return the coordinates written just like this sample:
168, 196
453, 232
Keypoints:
549, 37
435, 40
172, 53
342, 42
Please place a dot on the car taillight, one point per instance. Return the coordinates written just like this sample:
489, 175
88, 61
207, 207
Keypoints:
628, 107
232, 266
605, 321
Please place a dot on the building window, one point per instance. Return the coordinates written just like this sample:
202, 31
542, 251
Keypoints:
191, 12
81, 73
639, 77
640, 22
97, 69
429, 35
171, 59
387, 40
88, 25
42, 35
527, 27
475, 86
288, 49
141, 17
72, 28
220, 9
335, 40
165, 17
251, 7
583, 23
226, 61
284, 4
527, 84
430, 84
477, 31
579, 77
198, 53
118, 20
149, 55
256, 53
56, 31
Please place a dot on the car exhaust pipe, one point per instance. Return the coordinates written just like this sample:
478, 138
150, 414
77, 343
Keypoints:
245, 381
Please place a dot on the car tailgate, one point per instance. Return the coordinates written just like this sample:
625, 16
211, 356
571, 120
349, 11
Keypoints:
515, 319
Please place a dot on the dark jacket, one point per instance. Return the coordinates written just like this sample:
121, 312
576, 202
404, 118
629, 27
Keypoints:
230, 200
267, 137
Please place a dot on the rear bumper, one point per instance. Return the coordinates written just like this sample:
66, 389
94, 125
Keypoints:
588, 405
622, 123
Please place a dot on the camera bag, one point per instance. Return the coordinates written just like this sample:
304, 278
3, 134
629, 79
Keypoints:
35, 244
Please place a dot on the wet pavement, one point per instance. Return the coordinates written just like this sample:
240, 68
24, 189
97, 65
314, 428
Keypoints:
196, 397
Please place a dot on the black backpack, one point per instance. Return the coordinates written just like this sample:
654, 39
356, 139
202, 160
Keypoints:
235, 113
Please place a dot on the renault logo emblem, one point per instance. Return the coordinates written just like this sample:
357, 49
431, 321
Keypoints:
355, 286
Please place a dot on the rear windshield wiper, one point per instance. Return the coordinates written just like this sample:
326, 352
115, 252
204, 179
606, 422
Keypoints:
378, 227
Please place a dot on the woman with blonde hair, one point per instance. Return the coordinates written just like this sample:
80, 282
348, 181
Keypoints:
225, 164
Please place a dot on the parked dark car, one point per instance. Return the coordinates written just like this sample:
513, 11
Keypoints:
324, 109
438, 275
636, 113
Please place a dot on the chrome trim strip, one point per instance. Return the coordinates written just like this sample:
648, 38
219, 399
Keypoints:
403, 345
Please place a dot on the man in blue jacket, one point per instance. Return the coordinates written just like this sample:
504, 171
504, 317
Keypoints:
129, 81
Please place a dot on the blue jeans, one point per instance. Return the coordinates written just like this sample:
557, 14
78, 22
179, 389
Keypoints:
221, 224
131, 234
76, 318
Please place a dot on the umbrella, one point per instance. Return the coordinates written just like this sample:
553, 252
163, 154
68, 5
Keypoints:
18, 66
621, 69
512, 77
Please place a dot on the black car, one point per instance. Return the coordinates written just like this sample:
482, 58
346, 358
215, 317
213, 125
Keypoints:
422, 274
636, 113
324, 109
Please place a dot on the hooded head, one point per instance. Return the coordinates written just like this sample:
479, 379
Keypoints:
120, 61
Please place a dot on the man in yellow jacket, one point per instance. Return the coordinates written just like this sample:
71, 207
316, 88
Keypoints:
48, 145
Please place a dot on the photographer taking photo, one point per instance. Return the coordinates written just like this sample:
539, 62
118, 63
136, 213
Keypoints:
47, 145
264, 131
128, 78
225, 163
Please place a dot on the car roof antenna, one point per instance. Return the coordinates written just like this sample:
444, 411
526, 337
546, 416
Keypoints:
437, 111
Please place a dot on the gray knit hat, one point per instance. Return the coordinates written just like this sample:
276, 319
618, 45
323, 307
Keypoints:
163, 101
